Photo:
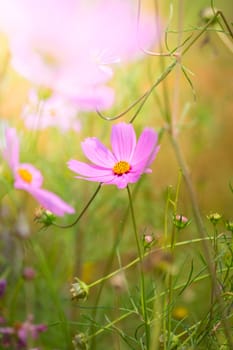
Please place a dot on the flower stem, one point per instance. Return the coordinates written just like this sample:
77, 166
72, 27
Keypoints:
203, 233
142, 282
83, 211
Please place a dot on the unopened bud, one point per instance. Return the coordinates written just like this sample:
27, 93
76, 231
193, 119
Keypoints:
80, 342
43, 216
207, 14
229, 225
79, 290
180, 221
214, 218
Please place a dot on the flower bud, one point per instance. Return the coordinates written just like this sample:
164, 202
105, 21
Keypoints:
229, 225
214, 218
79, 290
180, 221
43, 216
207, 14
80, 342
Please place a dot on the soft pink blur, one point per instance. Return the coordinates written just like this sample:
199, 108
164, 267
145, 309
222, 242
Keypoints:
71, 46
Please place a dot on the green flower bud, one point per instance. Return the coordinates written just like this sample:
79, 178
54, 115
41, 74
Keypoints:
229, 225
214, 218
80, 342
180, 221
79, 290
43, 216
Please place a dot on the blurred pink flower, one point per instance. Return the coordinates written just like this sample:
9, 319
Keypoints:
30, 179
22, 333
71, 45
27, 330
127, 161
53, 111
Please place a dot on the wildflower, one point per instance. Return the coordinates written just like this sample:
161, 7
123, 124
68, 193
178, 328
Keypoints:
57, 56
28, 330
127, 161
52, 111
22, 333
214, 218
30, 179
79, 290
180, 221
2, 287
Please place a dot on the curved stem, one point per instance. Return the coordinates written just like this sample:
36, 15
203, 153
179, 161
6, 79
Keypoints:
83, 211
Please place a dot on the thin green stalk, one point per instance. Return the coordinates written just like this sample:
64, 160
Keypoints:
106, 274
83, 211
173, 239
136, 261
129, 313
212, 20
63, 323
140, 255
108, 265
202, 233
165, 237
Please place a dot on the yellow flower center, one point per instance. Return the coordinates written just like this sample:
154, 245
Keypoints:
121, 167
25, 175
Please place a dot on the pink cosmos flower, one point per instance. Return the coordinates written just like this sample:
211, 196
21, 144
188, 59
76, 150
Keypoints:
71, 46
53, 111
30, 179
127, 161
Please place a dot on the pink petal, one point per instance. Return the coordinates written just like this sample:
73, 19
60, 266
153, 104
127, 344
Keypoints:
51, 201
98, 153
105, 179
123, 180
91, 172
88, 170
145, 150
123, 140
11, 151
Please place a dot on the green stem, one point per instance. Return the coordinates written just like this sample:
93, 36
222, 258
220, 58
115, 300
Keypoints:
135, 261
83, 211
218, 13
129, 313
202, 233
140, 255
172, 242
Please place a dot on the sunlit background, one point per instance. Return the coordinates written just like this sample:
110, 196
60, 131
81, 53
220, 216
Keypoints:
201, 108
